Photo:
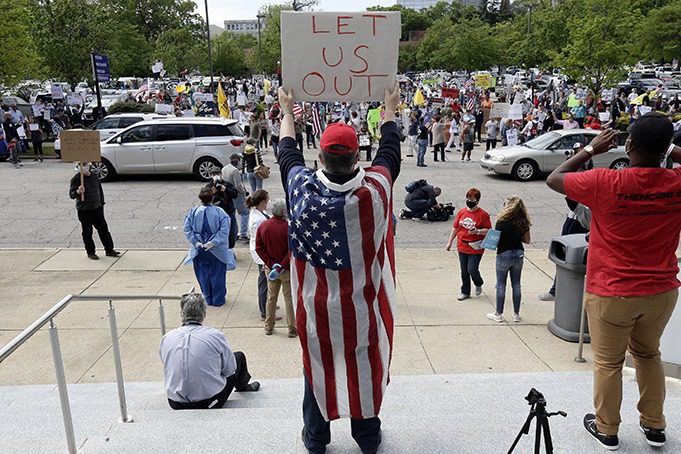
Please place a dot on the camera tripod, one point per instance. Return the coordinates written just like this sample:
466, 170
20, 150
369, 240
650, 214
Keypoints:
537, 410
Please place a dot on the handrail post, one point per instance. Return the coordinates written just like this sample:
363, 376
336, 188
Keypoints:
61, 385
162, 317
115, 347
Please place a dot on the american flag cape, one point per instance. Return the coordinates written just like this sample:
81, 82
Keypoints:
343, 280
316, 120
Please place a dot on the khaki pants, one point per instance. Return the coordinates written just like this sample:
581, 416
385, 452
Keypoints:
636, 323
283, 282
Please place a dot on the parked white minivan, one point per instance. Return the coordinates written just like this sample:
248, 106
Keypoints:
178, 145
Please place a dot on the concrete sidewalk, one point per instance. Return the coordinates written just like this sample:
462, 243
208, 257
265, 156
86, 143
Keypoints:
435, 333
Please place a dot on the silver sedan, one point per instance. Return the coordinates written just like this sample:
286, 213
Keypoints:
543, 154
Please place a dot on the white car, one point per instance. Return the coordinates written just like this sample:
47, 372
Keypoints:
178, 145
545, 153
112, 124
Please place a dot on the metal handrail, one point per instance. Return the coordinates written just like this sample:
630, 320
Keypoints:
48, 317
44, 319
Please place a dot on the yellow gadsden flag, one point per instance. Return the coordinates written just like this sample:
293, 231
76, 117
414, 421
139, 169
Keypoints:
418, 98
222, 102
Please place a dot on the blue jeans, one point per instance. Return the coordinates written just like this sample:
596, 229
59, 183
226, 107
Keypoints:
509, 262
240, 205
254, 181
470, 269
421, 154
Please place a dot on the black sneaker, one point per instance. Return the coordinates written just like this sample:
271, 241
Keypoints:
609, 442
93, 256
654, 437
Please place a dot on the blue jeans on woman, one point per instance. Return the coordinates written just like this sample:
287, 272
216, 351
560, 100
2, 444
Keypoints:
254, 181
509, 262
470, 269
421, 154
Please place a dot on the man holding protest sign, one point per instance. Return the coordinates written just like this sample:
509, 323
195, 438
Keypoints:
342, 274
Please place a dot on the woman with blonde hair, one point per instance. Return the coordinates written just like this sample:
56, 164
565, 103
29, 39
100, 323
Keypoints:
514, 224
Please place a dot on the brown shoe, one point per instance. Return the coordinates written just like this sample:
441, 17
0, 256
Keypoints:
268, 332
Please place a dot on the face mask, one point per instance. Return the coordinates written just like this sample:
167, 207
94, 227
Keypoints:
216, 178
471, 203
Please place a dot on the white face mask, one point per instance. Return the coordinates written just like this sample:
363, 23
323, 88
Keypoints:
216, 178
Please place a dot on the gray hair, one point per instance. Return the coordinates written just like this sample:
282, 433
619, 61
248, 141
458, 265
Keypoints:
193, 308
278, 208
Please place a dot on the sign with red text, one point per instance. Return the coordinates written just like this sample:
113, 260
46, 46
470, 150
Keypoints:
332, 56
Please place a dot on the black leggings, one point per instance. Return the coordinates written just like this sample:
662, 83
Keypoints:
38, 148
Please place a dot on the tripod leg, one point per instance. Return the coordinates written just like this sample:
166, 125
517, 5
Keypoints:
547, 436
523, 431
537, 436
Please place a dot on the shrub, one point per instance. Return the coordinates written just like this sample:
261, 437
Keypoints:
130, 107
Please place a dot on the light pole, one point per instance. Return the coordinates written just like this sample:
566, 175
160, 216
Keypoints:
210, 56
259, 16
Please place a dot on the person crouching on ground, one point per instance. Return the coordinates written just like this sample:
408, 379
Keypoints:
420, 200
198, 364
207, 229
471, 224
271, 246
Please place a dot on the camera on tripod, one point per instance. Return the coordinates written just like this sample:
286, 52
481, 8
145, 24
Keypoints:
535, 397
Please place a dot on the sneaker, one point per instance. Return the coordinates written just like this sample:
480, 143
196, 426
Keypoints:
609, 442
268, 332
478, 290
547, 297
262, 318
93, 256
517, 318
293, 333
654, 437
495, 317
463, 296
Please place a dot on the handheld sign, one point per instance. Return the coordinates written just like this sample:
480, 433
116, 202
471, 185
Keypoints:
500, 110
80, 146
338, 56
515, 112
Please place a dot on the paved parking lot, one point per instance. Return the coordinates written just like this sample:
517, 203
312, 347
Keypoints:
147, 211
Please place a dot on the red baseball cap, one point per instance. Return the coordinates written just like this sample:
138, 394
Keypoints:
339, 134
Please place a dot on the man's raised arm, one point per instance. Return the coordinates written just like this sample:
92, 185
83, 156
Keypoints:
289, 155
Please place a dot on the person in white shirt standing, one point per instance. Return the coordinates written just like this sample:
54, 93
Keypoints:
200, 369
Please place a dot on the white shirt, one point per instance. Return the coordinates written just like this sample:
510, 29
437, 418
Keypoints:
197, 360
255, 218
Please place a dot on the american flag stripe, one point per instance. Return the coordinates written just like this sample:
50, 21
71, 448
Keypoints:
343, 289
316, 120
297, 110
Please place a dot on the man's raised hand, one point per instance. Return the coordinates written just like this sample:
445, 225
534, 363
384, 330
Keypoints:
286, 100
392, 100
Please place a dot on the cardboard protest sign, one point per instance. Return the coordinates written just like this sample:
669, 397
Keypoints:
36, 110
74, 100
515, 112
34, 126
452, 93
80, 146
644, 109
484, 81
604, 116
163, 109
500, 110
339, 56
512, 137
57, 91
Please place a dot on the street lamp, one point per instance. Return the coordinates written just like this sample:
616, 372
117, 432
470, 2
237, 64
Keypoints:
260, 16
210, 56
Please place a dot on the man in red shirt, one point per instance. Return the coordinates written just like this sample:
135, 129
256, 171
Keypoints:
631, 283
271, 245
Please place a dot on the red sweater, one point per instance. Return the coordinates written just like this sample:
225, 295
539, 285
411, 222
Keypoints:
271, 242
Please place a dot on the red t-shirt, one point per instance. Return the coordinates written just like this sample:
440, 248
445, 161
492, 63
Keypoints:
634, 229
466, 220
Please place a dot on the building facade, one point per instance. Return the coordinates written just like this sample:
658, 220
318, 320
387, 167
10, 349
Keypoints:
249, 26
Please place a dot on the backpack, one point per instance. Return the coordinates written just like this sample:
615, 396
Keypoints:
440, 214
411, 187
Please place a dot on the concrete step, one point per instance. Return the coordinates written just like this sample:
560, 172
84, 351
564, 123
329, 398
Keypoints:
471, 413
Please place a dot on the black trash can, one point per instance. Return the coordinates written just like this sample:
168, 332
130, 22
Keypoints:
569, 253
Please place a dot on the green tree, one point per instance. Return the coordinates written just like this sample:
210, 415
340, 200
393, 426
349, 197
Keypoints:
19, 58
179, 49
408, 58
228, 55
599, 44
660, 33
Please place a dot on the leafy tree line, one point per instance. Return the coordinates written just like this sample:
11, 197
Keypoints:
592, 40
